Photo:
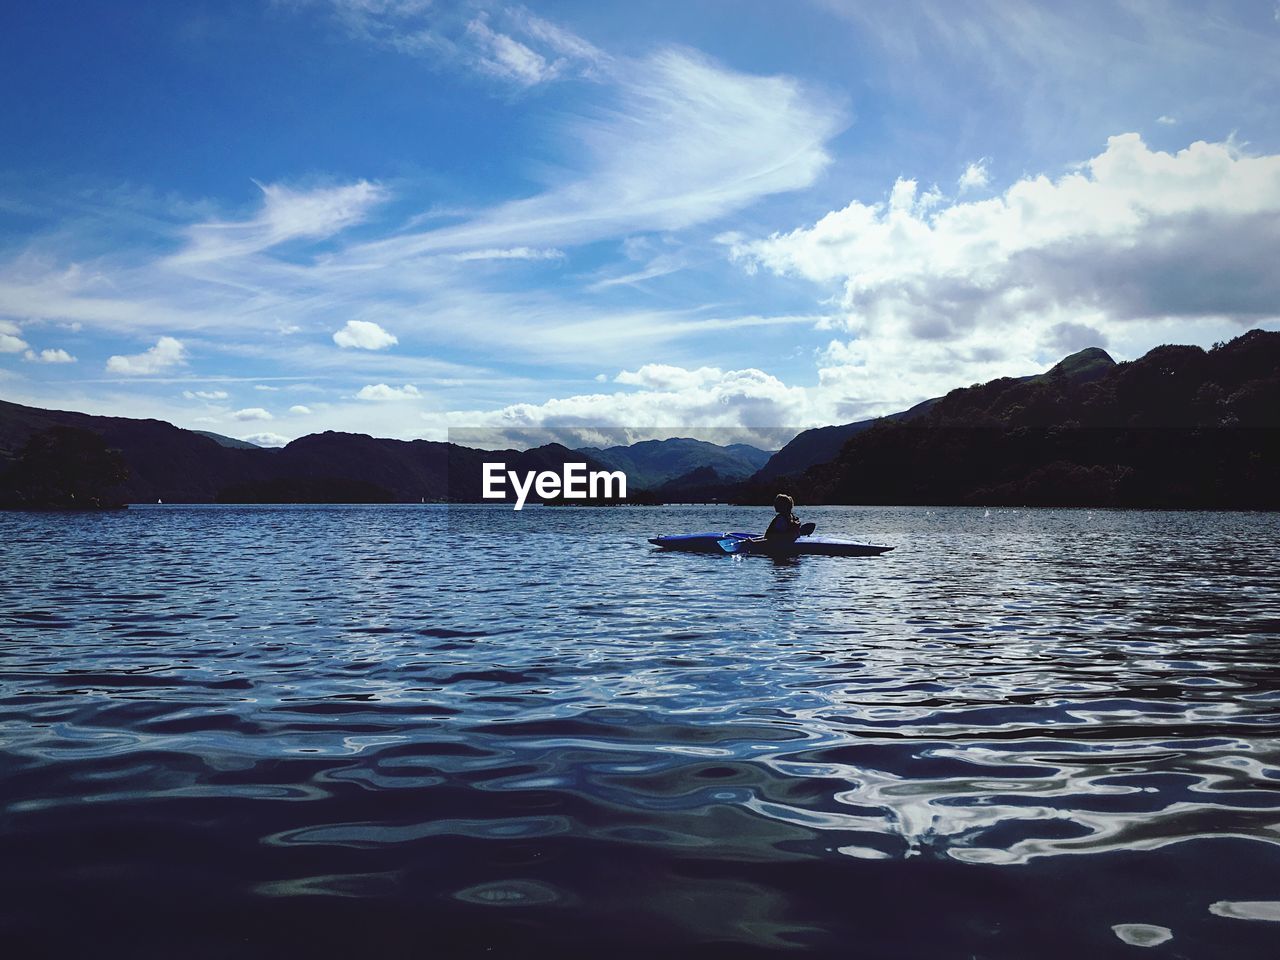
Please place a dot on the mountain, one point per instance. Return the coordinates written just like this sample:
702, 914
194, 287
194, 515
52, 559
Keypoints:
823, 444
1180, 427
650, 464
231, 442
167, 463
163, 461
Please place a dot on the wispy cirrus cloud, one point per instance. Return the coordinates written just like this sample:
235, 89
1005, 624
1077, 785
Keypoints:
286, 214
1066, 71
674, 141
685, 142
505, 42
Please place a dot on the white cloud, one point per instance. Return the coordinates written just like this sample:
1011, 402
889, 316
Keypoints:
717, 403
508, 58
286, 214
168, 352
671, 141
509, 253
523, 49
1131, 238
1054, 75
380, 391
661, 376
364, 335
975, 176
56, 355
11, 338
266, 439
686, 142
204, 394
1167, 120
298, 410
265, 388
253, 413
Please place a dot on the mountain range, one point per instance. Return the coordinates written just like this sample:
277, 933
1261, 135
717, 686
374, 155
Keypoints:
651, 464
823, 444
1180, 426
168, 463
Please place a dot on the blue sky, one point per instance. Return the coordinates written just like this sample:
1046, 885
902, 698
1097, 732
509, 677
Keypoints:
401, 216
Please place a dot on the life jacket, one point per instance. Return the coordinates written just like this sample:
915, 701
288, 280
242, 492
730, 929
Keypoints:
785, 526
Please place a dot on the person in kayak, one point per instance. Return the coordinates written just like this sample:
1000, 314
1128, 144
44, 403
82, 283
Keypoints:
785, 527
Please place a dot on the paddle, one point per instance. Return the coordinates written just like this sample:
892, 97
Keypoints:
730, 544
733, 545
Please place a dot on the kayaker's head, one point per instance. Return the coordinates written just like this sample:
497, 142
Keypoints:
783, 504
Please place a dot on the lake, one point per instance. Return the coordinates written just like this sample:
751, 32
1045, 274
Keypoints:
281, 731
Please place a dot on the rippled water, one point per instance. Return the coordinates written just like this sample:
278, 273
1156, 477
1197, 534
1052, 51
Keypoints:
289, 731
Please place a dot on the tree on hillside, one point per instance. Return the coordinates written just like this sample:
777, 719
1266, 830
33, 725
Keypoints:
63, 468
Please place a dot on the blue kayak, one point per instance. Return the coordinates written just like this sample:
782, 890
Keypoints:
752, 543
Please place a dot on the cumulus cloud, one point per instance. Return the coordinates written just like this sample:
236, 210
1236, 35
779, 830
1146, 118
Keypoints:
168, 352
10, 338
299, 410
381, 391
975, 176
1166, 120
364, 335
1132, 237
56, 355
253, 413
740, 404
661, 376
266, 439
204, 394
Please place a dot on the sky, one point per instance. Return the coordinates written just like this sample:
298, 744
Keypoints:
404, 217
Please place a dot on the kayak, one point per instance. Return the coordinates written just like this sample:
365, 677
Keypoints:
751, 543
